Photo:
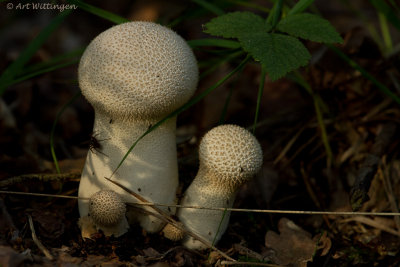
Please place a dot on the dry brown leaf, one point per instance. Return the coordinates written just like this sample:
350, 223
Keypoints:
160, 264
242, 250
324, 243
9, 257
151, 253
292, 246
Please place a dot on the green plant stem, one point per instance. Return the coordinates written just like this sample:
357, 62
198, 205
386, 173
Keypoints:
259, 96
68, 56
99, 12
394, 5
300, 6
318, 104
228, 100
275, 14
183, 108
387, 39
220, 62
210, 7
248, 4
324, 135
42, 71
225, 108
387, 11
218, 229
15, 68
366, 74
213, 42
53, 130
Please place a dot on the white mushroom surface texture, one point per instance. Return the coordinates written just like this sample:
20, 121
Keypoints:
229, 156
134, 74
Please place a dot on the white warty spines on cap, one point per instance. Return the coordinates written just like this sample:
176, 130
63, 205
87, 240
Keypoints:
232, 153
229, 155
138, 70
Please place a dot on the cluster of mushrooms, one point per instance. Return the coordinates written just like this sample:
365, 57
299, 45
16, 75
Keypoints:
134, 74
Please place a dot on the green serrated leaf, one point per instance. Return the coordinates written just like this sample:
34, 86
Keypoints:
235, 24
310, 27
278, 53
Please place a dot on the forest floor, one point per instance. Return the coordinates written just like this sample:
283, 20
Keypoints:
360, 170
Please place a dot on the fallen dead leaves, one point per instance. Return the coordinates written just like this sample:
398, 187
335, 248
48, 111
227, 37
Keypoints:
294, 246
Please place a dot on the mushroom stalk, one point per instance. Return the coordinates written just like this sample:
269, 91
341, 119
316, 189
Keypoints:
143, 171
229, 156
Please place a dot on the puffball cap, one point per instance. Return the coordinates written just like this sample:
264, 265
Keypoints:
231, 153
106, 208
138, 70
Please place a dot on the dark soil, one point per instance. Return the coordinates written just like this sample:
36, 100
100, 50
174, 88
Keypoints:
362, 173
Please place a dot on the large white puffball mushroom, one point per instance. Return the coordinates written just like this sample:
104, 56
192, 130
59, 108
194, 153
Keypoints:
229, 156
134, 74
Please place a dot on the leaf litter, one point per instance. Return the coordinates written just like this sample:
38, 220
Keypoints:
356, 113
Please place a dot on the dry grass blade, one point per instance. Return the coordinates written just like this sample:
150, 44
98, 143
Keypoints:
373, 223
288, 146
386, 178
45, 251
168, 219
298, 212
41, 195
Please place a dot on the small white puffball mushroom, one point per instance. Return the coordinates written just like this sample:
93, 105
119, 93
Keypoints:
172, 233
229, 155
107, 213
134, 74
106, 208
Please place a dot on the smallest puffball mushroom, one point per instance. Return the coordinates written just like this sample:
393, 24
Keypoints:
229, 156
173, 233
107, 213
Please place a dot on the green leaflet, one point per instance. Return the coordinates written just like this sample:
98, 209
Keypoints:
309, 27
278, 53
233, 25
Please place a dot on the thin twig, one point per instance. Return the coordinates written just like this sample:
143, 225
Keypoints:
243, 263
45, 177
387, 183
168, 219
37, 241
248, 252
288, 146
298, 212
373, 223
41, 195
